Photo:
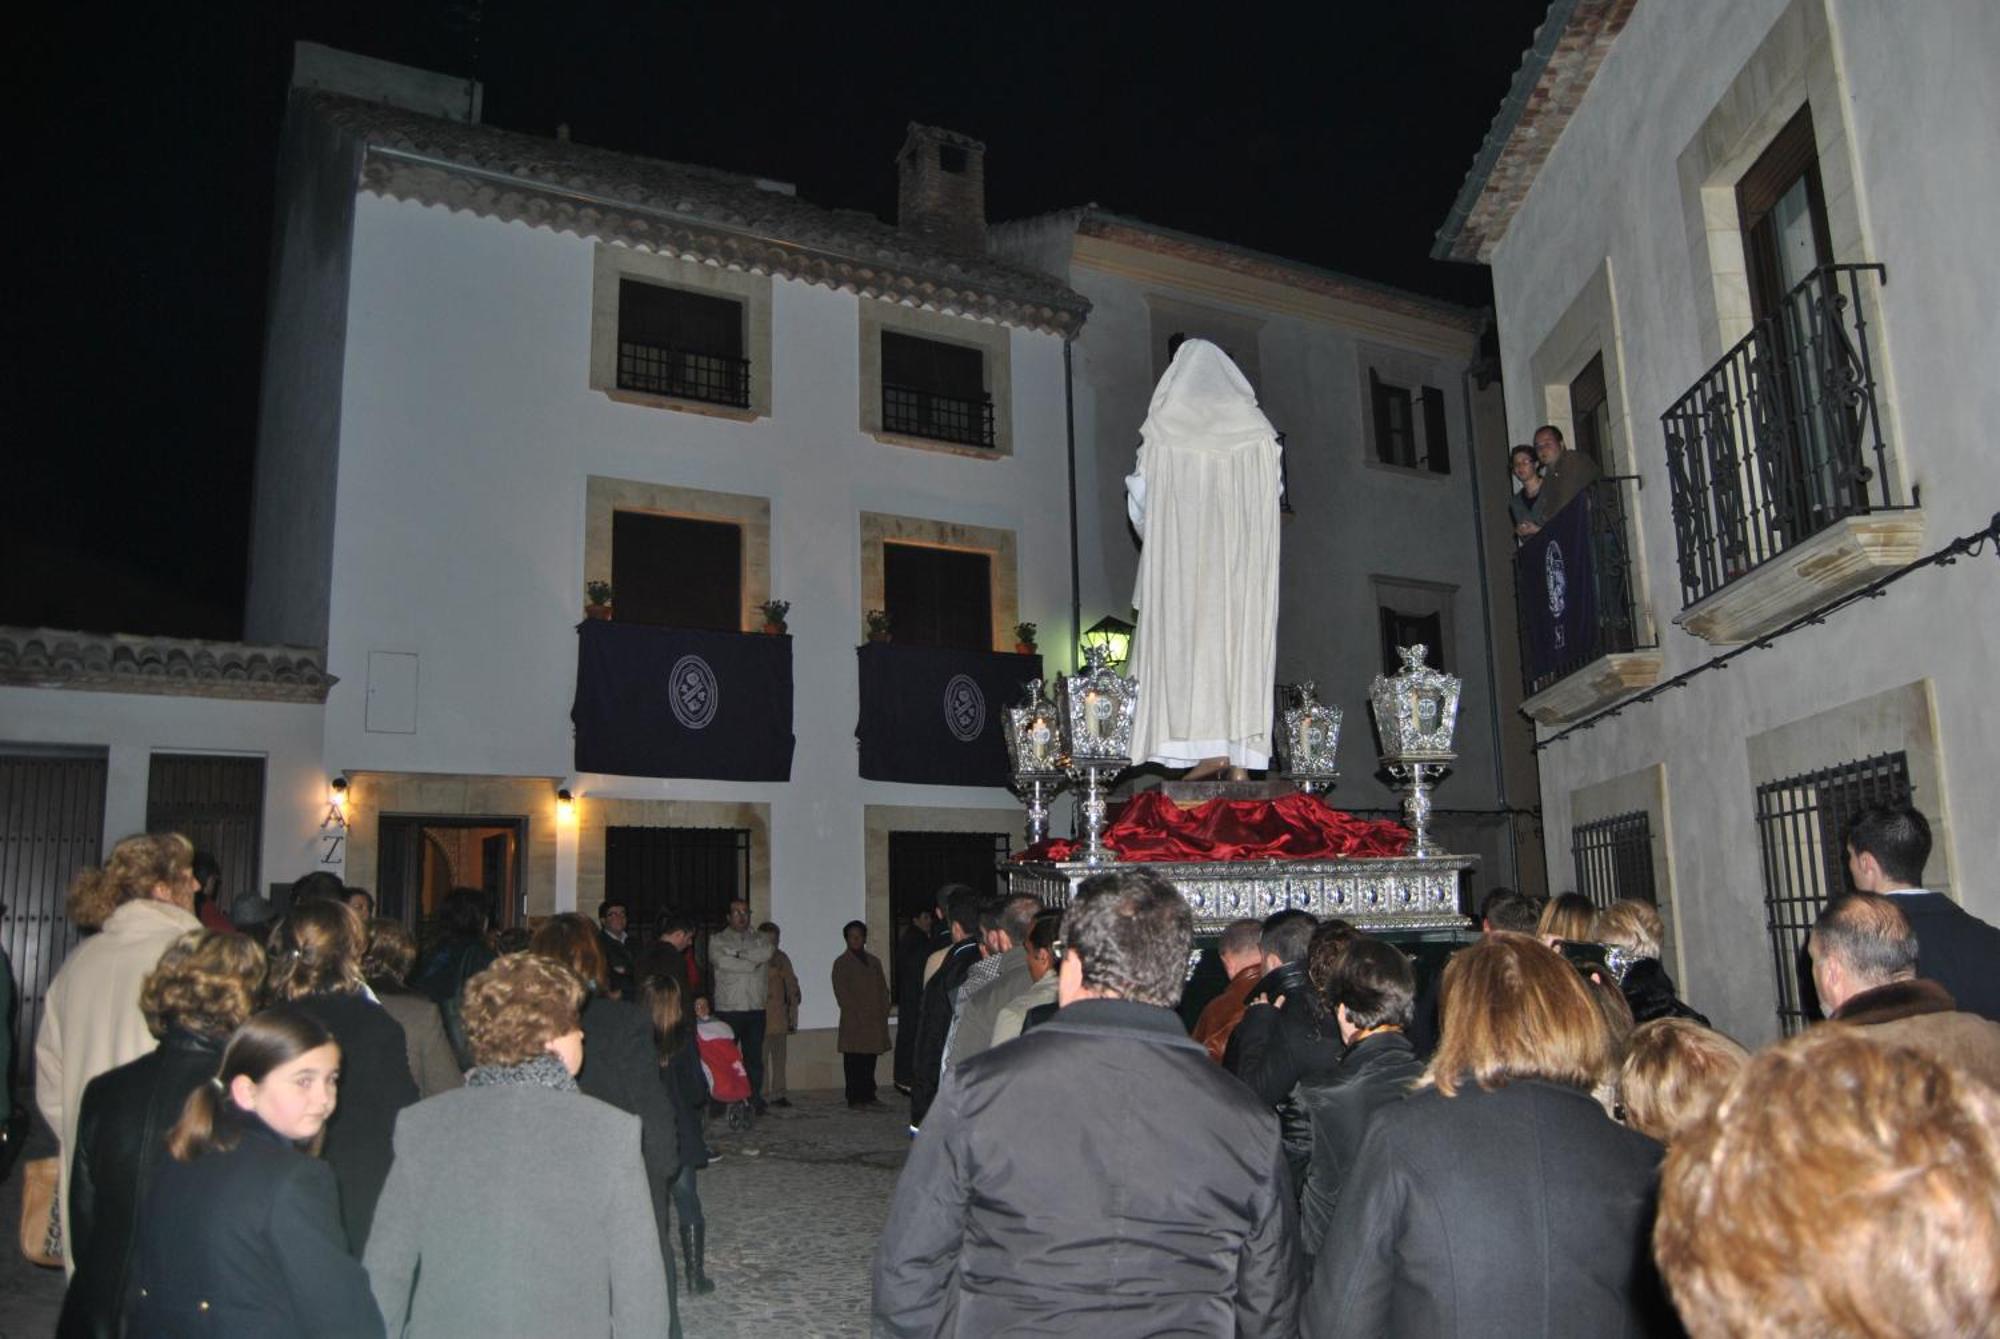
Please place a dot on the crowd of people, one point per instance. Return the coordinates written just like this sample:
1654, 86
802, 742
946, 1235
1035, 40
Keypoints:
291, 1125
289, 1121
1546, 1139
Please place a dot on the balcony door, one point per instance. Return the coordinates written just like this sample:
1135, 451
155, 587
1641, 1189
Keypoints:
1785, 238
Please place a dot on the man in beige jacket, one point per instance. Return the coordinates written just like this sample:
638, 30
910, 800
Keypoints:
781, 1016
143, 898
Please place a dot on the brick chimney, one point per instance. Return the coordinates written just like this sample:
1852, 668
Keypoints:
941, 187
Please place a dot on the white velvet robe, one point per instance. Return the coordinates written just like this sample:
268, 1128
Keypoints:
1205, 501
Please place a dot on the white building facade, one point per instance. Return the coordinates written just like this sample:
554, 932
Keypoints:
1391, 446
1744, 233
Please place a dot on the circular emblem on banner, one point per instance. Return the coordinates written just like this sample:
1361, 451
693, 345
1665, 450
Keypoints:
1555, 579
692, 692
964, 708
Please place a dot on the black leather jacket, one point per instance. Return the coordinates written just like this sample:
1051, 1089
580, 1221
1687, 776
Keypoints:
1378, 1070
120, 1138
1274, 1049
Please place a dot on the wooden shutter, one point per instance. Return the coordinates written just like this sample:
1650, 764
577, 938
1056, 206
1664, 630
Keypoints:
1437, 449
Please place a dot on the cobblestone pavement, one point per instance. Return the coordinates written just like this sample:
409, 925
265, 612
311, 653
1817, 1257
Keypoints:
792, 1227
793, 1210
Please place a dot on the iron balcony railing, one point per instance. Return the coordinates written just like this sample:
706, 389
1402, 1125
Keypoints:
1618, 626
942, 418
1783, 437
657, 369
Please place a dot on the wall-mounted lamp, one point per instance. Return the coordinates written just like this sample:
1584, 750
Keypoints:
336, 793
565, 806
1113, 636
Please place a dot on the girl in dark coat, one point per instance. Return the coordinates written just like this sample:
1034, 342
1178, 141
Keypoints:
240, 1234
316, 956
204, 988
687, 1088
620, 1068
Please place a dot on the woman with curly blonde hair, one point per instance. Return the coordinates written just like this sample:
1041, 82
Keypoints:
139, 901
204, 988
316, 953
565, 1242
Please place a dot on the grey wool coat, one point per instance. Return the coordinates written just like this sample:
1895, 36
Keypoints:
517, 1210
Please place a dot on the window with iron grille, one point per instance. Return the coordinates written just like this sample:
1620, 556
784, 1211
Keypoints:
693, 870
1801, 825
1614, 859
920, 863
683, 344
935, 389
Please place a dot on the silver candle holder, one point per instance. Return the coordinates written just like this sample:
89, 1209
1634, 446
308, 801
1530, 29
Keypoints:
1096, 708
1034, 749
1309, 740
1416, 714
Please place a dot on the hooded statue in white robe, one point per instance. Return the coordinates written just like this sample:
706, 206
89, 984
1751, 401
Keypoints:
1205, 502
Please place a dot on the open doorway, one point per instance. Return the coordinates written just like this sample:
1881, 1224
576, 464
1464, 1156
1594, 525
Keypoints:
422, 857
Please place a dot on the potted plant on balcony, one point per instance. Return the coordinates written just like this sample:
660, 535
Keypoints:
597, 599
878, 625
1024, 639
774, 612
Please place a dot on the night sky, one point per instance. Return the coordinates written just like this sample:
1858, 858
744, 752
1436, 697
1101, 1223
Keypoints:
146, 141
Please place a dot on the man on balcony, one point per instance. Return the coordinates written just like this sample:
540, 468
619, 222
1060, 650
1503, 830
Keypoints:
1565, 473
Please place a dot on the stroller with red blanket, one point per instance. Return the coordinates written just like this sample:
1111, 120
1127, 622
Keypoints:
722, 1062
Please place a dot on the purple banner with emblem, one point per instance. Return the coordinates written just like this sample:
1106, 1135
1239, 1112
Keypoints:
935, 716
1558, 589
682, 702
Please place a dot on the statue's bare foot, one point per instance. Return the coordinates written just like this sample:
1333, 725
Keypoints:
1237, 774
1206, 768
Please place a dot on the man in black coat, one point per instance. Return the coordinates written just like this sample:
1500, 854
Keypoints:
1287, 1033
619, 977
1887, 848
939, 999
1162, 1209
915, 945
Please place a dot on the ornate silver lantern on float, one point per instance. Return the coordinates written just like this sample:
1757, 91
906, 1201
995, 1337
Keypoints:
1034, 750
1416, 712
1309, 739
1096, 708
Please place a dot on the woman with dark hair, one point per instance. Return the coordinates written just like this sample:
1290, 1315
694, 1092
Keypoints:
316, 954
513, 1208
618, 1038
139, 901
204, 988
1545, 1231
462, 951
240, 1234
679, 1063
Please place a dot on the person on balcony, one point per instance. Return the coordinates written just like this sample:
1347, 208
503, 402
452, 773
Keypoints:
1524, 506
1565, 473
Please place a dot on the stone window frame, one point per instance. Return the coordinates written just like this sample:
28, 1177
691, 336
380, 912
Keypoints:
1897, 720
610, 264
605, 496
879, 820
1407, 370
1589, 328
995, 343
1643, 791
1794, 66
1001, 548
595, 813
1412, 596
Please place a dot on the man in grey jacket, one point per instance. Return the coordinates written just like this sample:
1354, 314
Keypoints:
1165, 1207
741, 959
